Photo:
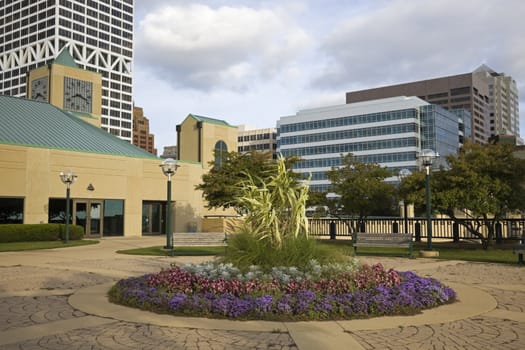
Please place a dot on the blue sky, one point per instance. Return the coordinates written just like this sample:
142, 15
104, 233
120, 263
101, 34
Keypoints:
251, 62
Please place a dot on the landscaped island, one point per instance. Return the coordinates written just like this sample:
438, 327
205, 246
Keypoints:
273, 271
318, 292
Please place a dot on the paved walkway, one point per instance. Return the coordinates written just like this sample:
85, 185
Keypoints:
55, 299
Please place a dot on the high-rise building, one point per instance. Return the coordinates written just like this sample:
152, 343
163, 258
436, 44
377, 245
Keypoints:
390, 132
169, 152
252, 139
97, 33
491, 98
141, 136
503, 102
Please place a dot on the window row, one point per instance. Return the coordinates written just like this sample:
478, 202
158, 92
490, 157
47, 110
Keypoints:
350, 134
371, 158
351, 147
351, 120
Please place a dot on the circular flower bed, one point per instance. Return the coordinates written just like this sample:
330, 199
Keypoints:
316, 293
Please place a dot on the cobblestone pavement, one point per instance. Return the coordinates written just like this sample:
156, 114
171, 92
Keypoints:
35, 312
122, 335
34, 298
506, 283
472, 333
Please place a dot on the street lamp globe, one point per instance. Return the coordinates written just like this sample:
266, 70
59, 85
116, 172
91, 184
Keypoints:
427, 157
404, 173
169, 167
68, 178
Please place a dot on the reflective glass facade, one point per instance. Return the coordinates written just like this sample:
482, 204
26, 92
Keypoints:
390, 132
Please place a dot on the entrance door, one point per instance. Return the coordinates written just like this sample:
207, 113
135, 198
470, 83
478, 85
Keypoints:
152, 218
88, 214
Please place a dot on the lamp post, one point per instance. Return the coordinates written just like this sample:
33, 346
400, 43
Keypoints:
426, 157
169, 167
403, 174
68, 179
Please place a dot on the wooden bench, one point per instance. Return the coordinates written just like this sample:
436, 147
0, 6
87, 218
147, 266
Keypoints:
200, 239
383, 240
519, 249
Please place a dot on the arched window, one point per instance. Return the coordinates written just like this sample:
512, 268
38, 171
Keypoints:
220, 152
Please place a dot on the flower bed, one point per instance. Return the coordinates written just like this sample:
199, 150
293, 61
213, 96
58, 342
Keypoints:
317, 293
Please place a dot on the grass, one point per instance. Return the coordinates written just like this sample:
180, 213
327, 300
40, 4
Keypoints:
20, 246
447, 251
178, 251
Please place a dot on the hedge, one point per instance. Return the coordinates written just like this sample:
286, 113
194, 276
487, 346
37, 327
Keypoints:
38, 232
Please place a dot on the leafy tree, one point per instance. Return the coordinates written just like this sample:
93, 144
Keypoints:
360, 189
484, 183
220, 186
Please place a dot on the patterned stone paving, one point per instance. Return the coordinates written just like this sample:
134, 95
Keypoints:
473, 333
122, 335
32, 278
27, 311
25, 301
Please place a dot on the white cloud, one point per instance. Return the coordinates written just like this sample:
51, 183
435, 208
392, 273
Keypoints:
197, 46
409, 40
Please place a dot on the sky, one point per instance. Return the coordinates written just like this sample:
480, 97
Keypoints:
252, 62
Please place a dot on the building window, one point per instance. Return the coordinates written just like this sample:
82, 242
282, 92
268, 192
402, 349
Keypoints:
57, 211
11, 210
220, 152
113, 217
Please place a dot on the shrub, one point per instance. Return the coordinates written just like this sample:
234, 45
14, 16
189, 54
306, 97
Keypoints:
38, 232
245, 250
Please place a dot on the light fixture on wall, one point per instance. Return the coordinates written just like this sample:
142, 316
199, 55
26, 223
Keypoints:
90, 187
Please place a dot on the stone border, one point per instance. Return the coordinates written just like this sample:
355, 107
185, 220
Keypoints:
471, 302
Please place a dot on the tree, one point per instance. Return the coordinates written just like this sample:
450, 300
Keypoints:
221, 185
360, 189
484, 183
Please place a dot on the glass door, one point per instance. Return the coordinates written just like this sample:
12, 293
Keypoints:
152, 218
88, 214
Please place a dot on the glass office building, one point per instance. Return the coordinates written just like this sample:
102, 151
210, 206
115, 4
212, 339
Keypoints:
98, 35
390, 132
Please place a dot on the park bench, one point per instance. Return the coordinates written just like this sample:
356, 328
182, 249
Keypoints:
519, 249
383, 240
199, 239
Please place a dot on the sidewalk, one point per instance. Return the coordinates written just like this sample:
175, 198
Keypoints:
55, 299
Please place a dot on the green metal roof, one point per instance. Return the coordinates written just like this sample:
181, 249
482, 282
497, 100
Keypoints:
200, 118
39, 124
65, 59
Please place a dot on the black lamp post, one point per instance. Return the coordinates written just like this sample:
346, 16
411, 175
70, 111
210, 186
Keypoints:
426, 157
67, 178
169, 168
403, 174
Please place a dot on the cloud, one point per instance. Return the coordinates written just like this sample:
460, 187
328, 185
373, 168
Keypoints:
200, 47
411, 40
